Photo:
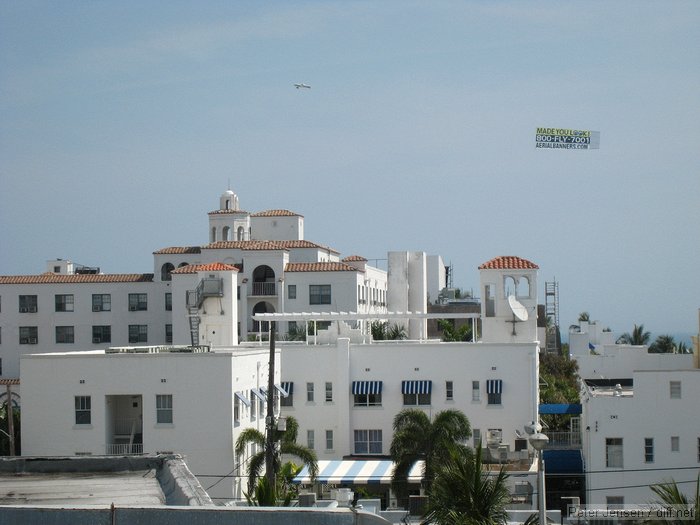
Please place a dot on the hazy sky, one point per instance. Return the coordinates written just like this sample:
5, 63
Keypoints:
122, 122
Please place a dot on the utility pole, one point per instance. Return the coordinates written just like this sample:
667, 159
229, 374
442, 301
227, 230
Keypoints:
270, 419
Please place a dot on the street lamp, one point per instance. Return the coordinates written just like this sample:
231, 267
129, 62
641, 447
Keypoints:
539, 441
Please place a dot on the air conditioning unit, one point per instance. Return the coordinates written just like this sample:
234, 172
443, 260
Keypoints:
307, 500
96, 340
32, 309
32, 340
493, 438
23, 310
24, 341
95, 308
132, 308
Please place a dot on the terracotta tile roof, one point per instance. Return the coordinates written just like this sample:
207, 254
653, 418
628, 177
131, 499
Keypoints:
53, 278
228, 212
211, 267
275, 213
265, 245
320, 267
354, 258
508, 262
178, 250
9, 381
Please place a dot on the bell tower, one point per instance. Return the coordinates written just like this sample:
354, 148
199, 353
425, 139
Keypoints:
508, 300
229, 222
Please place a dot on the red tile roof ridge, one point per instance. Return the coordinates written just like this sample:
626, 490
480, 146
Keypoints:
508, 262
54, 278
208, 267
320, 267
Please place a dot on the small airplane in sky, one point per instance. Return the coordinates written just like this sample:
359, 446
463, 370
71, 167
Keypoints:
302, 86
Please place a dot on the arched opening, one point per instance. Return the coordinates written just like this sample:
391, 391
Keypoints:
262, 307
183, 264
212, 236
165, 271
523, 287
509, 286
226, 233
240, 234
264, 281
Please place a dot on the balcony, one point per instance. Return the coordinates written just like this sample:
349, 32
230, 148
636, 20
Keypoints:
264, 289
564, 440
123, 449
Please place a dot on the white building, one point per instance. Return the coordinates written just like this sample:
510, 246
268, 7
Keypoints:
147, 400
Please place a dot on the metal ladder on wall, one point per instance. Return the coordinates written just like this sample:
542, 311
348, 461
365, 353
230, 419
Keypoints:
193, 315
551, 309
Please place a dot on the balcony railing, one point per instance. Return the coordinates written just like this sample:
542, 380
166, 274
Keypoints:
263, 288
564, 440
124, 449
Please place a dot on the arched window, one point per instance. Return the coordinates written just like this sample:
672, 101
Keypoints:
264, 280
212, 237
261, 308
225, 234
240, 234
165, 271
509, 286
523, 287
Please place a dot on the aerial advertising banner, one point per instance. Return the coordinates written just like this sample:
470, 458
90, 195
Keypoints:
559, 138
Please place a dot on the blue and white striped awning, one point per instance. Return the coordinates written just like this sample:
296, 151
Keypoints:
288, 387
366, 387
494, 386
283, 391
357, 472
243, 399
258, 392
416, 387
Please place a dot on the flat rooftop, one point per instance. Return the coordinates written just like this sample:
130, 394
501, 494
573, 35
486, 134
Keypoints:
156, 480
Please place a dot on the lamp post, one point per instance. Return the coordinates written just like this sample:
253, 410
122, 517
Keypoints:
538, 441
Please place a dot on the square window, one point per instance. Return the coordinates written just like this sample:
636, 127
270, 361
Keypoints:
83, 410
64, 302
138, 333
138, 302
28, 335
494, 398
319, 294
65, 335
164, 408
101, 302
27, 304
101, 334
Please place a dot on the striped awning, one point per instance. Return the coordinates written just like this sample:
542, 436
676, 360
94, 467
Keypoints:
494, 386
243, 399
357, 472
283, 391
288, 387
416, 387
366, 387
257, 392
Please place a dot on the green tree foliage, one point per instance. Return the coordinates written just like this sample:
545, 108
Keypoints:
463, 494
4, 429
287, 446
664, 344
637, 337
451, 333
382, 331
558, 384
417, 438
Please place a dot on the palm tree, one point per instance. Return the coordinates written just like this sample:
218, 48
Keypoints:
584, 316
452, 333
463, 493
417, 438
671, 496
664, 344
637, 337
287, 445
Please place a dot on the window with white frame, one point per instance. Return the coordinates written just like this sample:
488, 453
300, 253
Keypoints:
101, 302
329, 440
675, 444
309, 392
449, 391
368, 441
648, 450
164, 408
83, 409
675, 387
138, 302
65, 334
310, 441
291, 291
613, 452
476, 391
367, 393
417, 392
319, 294
65, 302
329, 392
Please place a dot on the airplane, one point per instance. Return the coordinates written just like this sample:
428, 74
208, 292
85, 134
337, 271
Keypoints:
302, 86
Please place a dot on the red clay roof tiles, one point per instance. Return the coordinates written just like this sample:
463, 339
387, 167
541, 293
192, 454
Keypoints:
53, 278
275, 213
508, 262
211, 267
179, 249
320, 267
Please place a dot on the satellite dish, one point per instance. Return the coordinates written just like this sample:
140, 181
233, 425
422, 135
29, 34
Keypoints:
519, 310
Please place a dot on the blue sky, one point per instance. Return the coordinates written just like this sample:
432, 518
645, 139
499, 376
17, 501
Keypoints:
122, 122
